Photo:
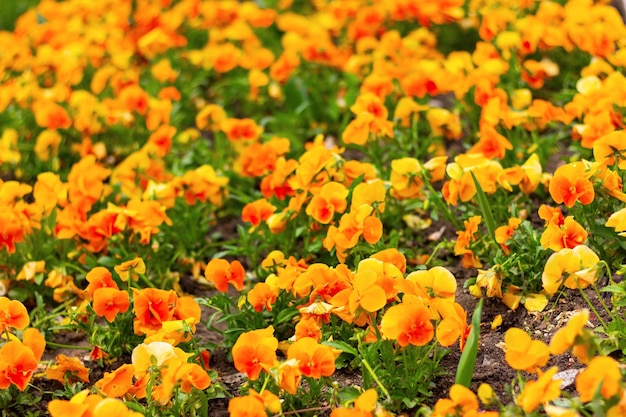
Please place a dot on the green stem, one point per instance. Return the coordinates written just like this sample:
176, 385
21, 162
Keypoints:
406, 368
485, 208
440, 205
427, 355
604, 306
64, 346
304, 410
593, 308
267, 378
74, 268
600, 297
378, 381
434, 252
145, 280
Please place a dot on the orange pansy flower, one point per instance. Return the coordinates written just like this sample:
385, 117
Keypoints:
308, 327
187, 308
392, 256
571, 336
241, 129
255, 351
330, 199
437, 281
504, 233
130, 269
407, 108
13, 315
601, 374
573, 267
569, 235
49, 191
551, 215
371, 193
491, 280
262, 295
257, 211
370, 103
210, 117
68, 369
63, 408
617, 221
160, 141
491, 144
453, 324
314, 360
203, 183
107, 302
17, 364
372, 229
406, 174
289, 376
387, 275
192, 375
364, 406
51, 115
221, 273
249, 406
523, 353
99, 277
366, 293
47, 144
462, 402
134, 98
408, 322
152, 307
113, 407
545, 388
611, 149
34, 340
358, 130
154, 353
118, 382
571, 183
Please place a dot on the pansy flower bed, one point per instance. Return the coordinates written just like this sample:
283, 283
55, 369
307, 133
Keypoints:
312, 208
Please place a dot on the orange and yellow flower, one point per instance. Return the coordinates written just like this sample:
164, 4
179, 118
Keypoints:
524, 353
221, 273
408, 322
570, 183
255, 351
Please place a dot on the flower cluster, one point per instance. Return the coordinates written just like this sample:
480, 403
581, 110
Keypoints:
312, 173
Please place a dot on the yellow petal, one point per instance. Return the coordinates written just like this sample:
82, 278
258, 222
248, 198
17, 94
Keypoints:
497, 322
535, 302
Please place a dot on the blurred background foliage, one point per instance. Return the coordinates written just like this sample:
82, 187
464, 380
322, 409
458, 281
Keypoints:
11, 9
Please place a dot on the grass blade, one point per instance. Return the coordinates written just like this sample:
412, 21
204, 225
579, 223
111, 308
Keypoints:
485, 208
465, 371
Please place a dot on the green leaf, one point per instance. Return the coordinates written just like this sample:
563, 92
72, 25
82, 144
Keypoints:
107, 261
465, 371
485, 208
342, 346
285, 316
348, 394
439, 204
203, 402
614, 289
296, 96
